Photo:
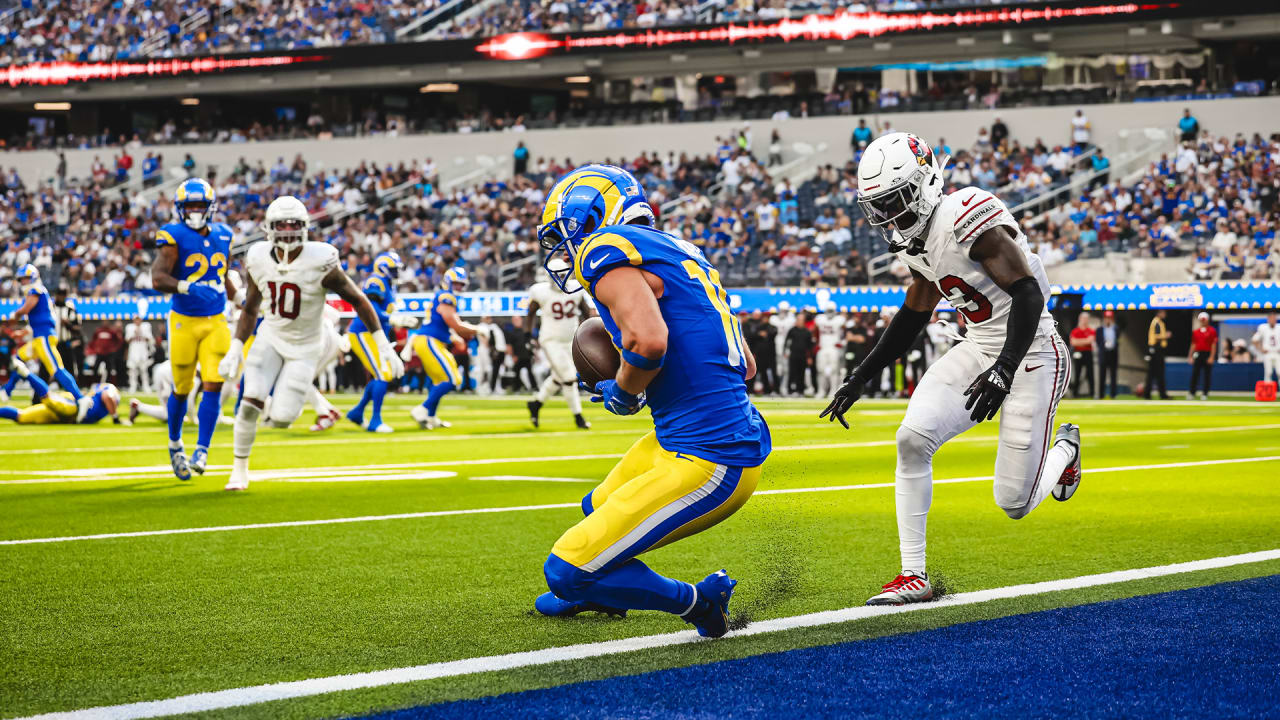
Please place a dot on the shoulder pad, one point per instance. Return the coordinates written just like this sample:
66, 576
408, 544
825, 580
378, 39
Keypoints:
975, 210
375, 285
603, 252
329, 257
446, 298
164, 237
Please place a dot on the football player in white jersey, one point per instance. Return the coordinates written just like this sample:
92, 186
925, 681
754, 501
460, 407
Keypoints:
830, 355
293, 275
967, 248
558, 314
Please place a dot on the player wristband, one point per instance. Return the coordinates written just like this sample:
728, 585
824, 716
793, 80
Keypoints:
183, 286
642, 362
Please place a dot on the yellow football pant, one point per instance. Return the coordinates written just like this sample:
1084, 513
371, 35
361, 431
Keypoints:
56, 407
44, 347
437, 360
652, 497
203, 340
364, 348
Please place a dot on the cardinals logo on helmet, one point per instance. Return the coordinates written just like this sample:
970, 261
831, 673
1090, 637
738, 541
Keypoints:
918, 148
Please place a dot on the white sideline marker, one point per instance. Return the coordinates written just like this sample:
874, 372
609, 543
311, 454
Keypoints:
557, 506
240, 697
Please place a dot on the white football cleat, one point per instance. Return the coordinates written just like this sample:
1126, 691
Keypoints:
906, 588
1071, 475
382, 428
420, 416
326, 421
238, 481
435, 422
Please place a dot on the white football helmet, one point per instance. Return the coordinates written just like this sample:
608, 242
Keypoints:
900, 184
286, 225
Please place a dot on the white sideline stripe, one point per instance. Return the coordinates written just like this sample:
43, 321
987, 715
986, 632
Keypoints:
240, 697
96, 474
422, 475
555, 506
536, 478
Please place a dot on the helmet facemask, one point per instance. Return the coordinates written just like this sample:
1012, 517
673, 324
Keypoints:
286, 235
196, 213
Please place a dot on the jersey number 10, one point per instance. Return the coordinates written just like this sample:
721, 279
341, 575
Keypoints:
286, 299
720, 301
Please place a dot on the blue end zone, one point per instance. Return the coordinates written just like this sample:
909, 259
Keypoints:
1211, 651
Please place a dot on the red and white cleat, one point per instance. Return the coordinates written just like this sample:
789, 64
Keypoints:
906, 588
1071, 475
325, 422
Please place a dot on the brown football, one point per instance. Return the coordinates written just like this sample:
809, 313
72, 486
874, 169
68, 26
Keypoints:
594, 355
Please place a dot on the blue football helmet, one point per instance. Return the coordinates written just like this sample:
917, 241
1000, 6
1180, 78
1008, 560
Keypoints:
199, 195
388, 264
582, 202
453, 278
28, 274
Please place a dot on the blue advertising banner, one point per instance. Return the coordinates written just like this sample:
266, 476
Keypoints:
1210, 296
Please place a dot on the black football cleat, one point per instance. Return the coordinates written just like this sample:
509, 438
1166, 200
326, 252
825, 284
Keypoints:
534, 407
581, 422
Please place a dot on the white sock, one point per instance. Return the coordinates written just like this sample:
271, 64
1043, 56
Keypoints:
318, 401
574, 400
548, 388
1060, 456
246, 430
240, 465
159, 412
913, 494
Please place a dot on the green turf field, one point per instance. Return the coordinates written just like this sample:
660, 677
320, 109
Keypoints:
88, 621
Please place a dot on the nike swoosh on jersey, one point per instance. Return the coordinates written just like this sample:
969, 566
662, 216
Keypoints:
596, 264
1028, 368
965, 202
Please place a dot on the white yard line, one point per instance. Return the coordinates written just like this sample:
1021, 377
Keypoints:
98, 474
535, 478
240, 697
555, 506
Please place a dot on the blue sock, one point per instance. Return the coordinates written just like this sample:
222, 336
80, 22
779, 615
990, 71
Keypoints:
39, 388
376, 390
11, 383
68, 383
207, 416
438, 391
356, 413
630, 586
9, 413
177, 409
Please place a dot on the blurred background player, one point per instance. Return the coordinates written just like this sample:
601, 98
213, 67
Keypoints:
49, 408
1267, 340
197, 251
1203, 353
684, 358
433, 345
335, 346
162, 381
380, 289
141, 344
558, 314
38, 309
294, 276
830, 357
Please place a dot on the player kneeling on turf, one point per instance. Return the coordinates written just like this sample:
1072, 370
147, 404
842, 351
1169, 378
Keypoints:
294, 275
967, 248
685, 358
48, 408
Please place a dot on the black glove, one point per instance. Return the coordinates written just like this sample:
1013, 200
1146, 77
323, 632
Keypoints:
844, 398
987, 391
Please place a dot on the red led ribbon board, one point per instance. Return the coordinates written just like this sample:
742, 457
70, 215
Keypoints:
63, 73
841, 26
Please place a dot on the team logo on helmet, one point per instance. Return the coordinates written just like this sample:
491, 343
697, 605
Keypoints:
919, 149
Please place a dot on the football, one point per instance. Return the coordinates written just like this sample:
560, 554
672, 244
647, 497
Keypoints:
594, 354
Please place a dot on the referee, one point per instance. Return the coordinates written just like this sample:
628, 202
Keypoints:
1157, 344
1204, 350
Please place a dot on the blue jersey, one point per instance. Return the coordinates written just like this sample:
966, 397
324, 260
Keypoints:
41, 316
202, 260
699, 399
434, 326
382, 295
92, 409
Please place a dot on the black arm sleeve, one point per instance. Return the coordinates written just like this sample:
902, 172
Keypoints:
1024, 318
895, 341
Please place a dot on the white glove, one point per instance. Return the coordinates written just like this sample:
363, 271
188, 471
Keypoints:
229, 368
385, 350
406, 354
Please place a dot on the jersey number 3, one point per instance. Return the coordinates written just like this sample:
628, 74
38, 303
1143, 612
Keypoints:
286, 299
975, 306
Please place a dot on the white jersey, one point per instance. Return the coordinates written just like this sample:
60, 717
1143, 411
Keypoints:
293, 296
830, 331
959, 219
1268, 336
558, 313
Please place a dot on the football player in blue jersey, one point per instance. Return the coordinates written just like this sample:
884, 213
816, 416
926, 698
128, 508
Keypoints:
433, 344
380, 288
38, 309
48, 408
683, 355
192, 260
